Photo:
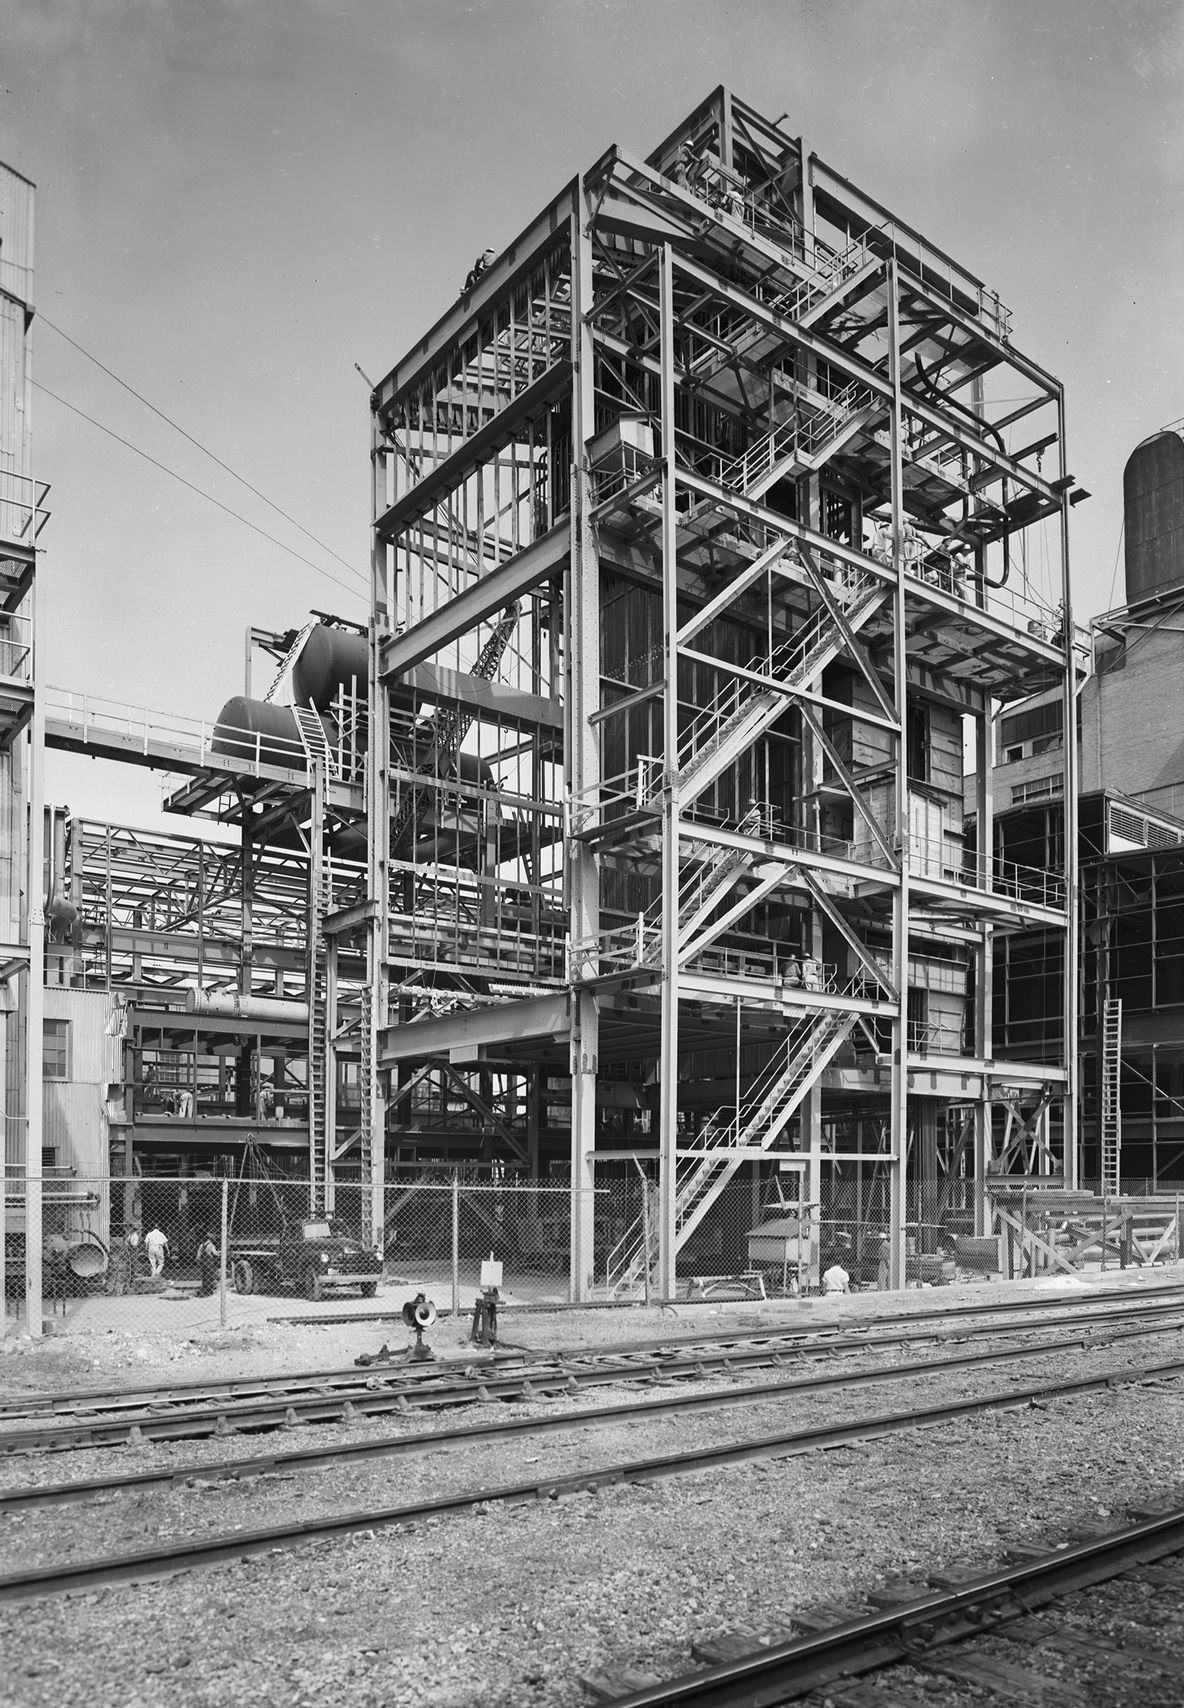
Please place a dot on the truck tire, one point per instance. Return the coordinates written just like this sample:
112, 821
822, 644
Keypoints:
369, 1288
243, 1276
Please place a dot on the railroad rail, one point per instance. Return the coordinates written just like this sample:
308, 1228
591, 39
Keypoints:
343, 1397
170, 1558
918, 1630
372, 1447
928, 1325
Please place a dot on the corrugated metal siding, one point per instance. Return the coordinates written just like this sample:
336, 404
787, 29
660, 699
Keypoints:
16, 234
75, 1108
15, 457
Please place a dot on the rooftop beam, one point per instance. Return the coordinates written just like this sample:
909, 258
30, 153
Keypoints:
447, 475
543, 234
493, 592
480, 1028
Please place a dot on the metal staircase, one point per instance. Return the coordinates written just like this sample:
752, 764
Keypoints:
287, 662
741, 711
1111, 1126
808, 296
314, 740
710, 881
450, 724
773, 1099
795, 445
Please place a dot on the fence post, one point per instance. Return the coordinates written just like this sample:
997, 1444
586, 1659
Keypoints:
455, 1246
1177, 1227
225, 1252
1103, 1230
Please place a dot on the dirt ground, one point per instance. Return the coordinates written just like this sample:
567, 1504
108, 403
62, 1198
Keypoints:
184, 1340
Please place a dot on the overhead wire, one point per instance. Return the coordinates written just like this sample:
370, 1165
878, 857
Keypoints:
1117, 555
209, 497
44, 320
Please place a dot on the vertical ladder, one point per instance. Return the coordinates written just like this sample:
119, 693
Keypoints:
1111, 1132
365, 1117
319, 1137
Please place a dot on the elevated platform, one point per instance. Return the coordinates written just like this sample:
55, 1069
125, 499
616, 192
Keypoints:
164, 741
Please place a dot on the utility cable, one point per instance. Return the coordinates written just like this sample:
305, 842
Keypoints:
1117, 555
43, 320
210, 499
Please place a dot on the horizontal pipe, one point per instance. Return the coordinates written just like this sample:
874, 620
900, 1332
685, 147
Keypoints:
236, 1005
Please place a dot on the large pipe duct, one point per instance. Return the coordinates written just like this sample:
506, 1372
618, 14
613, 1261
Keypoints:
329, 659
237, 1005
256, 729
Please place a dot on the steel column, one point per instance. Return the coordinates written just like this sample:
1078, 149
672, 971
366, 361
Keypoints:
581, 701
668, 1069
898, 1141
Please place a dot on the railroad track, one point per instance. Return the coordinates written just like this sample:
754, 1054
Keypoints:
168, 1559
119, 1417
74, 1490
994, 1629
927, 1324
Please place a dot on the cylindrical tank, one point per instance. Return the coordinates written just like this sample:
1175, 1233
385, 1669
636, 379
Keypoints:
255, 729
328, 658
1153, 501
236, 1005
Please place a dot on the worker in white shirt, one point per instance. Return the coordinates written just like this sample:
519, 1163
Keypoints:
836, 1279
156, 1245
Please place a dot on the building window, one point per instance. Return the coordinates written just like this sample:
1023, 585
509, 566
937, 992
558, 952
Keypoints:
55, 1046
1035, 725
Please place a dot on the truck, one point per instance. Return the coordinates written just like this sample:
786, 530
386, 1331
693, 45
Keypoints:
313, 1258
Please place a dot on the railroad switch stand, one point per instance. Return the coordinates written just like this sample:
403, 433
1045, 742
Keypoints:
484, 1327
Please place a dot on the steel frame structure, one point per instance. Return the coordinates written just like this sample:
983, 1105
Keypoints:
708, 531
717, 438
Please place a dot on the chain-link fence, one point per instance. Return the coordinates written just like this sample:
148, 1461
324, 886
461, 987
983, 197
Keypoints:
146, 1253
754, 1234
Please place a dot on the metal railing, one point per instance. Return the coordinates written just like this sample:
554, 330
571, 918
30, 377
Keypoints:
93, 717
931, 857
790, 659
22, 508
16, 647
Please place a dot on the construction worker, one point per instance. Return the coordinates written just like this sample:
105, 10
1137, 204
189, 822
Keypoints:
208, 1264
480, 265
156, 1245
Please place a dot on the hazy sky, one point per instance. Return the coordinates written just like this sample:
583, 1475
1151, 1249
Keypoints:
238, 200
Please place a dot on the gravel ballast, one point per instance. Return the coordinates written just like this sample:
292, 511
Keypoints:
512, 1605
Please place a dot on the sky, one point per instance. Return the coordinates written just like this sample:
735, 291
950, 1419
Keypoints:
241, 202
